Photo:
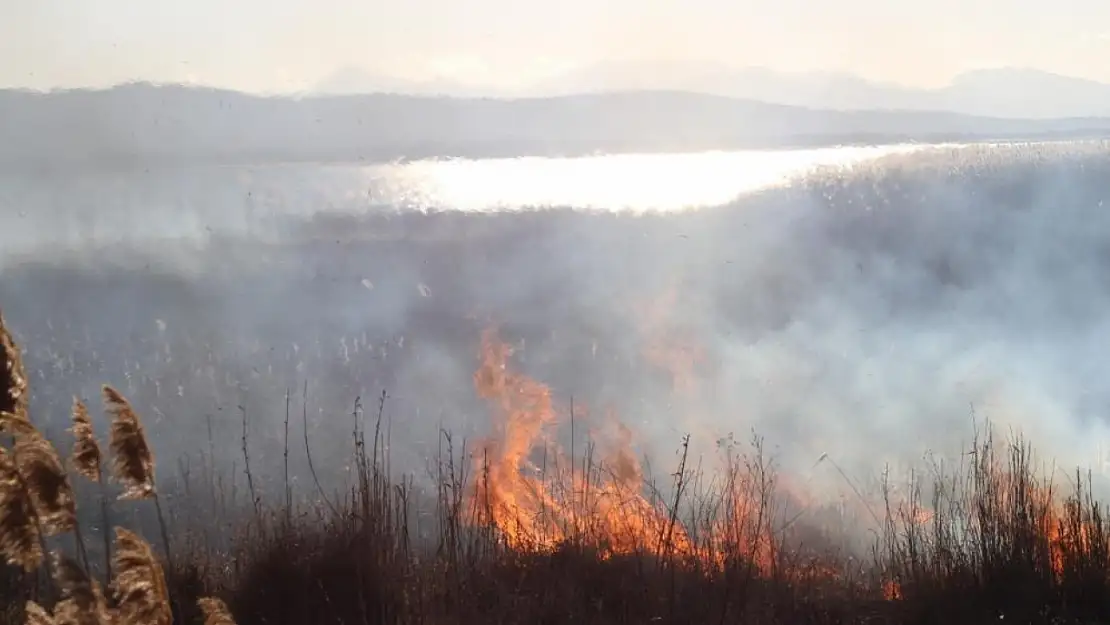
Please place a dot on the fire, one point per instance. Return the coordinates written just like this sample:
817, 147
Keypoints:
1064, 531
1049, 522
544, 506
538, 497
923, 516
600, 502
1060, 529
892, 591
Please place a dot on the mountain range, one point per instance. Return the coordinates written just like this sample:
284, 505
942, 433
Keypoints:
1004, 92
142, 124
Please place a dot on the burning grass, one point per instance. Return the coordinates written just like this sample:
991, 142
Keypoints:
521, 530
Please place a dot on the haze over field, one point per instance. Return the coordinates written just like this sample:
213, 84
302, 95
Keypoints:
518, 312
856, 228
865, 306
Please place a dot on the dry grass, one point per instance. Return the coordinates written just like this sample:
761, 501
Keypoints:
991, 539
82, 602
85, 456
37, 615
992, 547
132, 459
20, 535
215, 611
37, 501
13, 379
140, 584
47, 482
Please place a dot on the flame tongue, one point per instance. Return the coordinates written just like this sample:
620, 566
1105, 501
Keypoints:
511, 494
538, 498
543, 506
597, 501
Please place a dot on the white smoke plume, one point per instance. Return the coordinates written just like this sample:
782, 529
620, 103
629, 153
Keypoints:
861, 316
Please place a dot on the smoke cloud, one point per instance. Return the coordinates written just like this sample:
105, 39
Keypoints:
867, 314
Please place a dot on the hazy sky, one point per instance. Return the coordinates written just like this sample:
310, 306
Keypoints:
272, 45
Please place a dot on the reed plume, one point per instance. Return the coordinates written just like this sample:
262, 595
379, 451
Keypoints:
14, 396
87, 461
13, 378
133, 461
46, 482
140, 584
85, 456
37, 615
17, 424
215, 611
82, 602
20, 535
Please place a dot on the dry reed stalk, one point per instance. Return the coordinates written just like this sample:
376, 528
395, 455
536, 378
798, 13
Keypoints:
38, 476
133, 461
87, 461
215, 611
37, 615
85, 456
66, 612
13, 378
82, 601
17, 424
20, 535
140, 584
47, 483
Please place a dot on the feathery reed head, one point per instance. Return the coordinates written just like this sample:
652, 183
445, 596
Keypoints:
17, 424
13, 378
215, 611
82, 601
85, 456
140, 584
46, 482
37, 615
19, 530
133, 461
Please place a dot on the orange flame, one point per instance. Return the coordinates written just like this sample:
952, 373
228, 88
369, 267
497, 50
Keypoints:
603, 503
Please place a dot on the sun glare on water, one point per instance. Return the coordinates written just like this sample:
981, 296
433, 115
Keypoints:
626, 182
142, 209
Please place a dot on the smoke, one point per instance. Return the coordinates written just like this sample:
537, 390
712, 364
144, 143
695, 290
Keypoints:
862, 315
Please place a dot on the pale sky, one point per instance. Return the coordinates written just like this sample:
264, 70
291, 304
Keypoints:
281, 45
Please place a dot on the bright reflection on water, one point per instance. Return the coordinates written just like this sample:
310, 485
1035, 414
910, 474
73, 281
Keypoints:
44, 215
636, 182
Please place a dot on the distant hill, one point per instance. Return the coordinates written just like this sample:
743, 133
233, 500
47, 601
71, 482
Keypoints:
1003, 92
145, 124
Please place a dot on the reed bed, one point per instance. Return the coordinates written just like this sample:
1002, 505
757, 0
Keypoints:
37, 502
993, 538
